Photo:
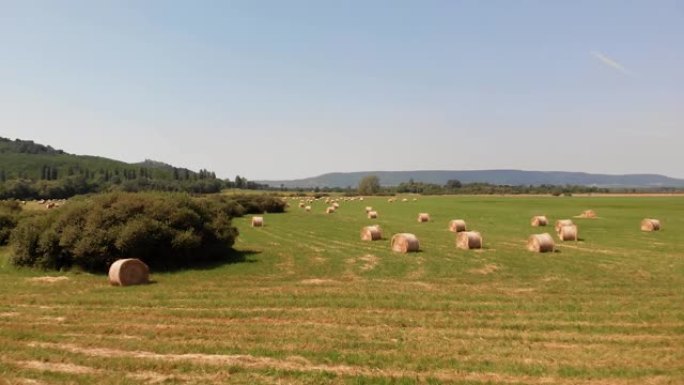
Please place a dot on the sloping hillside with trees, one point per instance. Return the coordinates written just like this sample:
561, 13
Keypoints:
30, 170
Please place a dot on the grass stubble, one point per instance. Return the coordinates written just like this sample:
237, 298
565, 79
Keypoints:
311, 303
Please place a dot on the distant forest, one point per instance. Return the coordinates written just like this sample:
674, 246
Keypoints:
455, 187
34, 171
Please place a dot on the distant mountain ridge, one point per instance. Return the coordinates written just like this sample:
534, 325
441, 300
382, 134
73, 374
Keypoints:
498, 177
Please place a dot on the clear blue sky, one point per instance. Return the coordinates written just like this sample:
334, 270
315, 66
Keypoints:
285, 89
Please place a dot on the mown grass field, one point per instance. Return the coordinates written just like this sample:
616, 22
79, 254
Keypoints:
312, 304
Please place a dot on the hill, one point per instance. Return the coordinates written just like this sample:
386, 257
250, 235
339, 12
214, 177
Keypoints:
29, 160
498, 177
31, 170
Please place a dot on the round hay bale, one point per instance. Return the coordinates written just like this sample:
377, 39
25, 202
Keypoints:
372, 214
467, 240
330, 210
371, 233
423, 217
131, 271
539, 220
257, 221
568, 233
390, 200
368, 209
540, 243
404, 243
588, 214
404, 200
307, 208
361, 198
50, 205
301, 205
336, 205
650, 224
457, 225
563, 222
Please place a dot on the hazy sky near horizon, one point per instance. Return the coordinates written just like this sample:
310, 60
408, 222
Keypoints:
289, 89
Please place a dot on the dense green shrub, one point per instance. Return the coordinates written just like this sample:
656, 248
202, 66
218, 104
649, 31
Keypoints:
9, 216
258, 203
164, 230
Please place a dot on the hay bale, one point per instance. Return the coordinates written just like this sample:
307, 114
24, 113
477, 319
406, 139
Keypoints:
336, 205
307, 208
650, 224
467, 240
568, 233
371, 233
404, 243
257, 221
390, 200
539, 220
404, 200
457, 225
330, 210
540, 243
301, 205
372, 214
588, 214
563, 222
50, 205
361, 198
368, 209
131, 271
423, 217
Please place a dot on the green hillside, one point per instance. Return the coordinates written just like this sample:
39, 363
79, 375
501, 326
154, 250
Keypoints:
32, 170
29, 160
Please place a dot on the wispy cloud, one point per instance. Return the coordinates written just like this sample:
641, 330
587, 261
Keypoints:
611, 63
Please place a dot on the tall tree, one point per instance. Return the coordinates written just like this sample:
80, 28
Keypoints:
369, 185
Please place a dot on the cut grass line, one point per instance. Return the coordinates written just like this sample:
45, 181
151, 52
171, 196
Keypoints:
300, 364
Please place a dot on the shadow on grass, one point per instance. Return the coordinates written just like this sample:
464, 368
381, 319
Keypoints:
227, 257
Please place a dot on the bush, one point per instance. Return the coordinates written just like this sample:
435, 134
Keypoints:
256, 203
9, 216
164, 230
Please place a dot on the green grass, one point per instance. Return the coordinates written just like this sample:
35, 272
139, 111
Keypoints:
312, 304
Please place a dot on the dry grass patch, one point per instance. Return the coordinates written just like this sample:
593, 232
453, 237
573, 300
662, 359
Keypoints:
59, 367
318, 281
370, 262
485, 270
48, 279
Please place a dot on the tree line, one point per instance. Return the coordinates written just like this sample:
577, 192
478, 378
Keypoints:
370, 185
62, 183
